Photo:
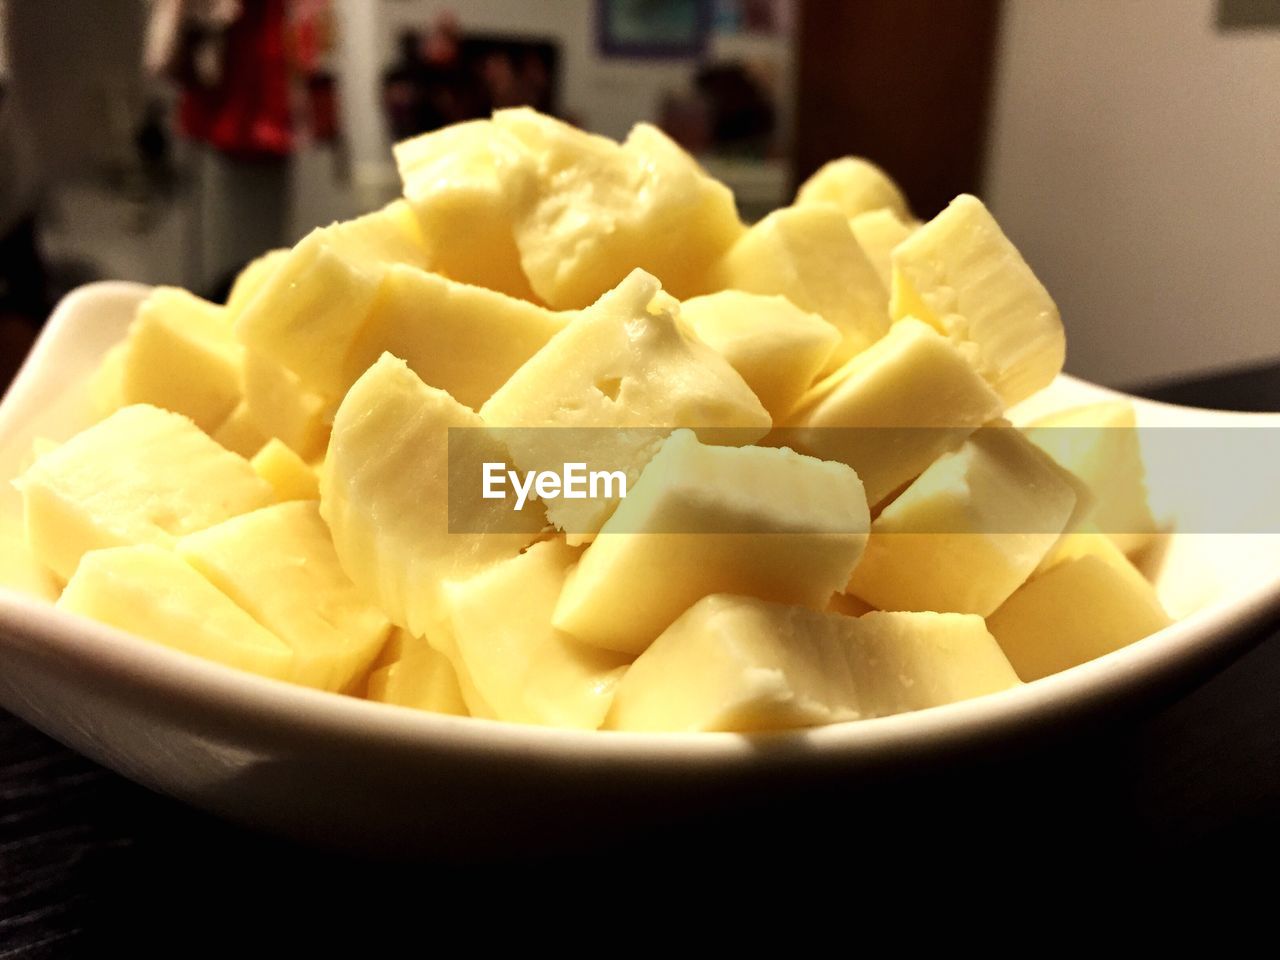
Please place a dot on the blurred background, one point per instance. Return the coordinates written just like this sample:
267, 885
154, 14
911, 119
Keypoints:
1131, 148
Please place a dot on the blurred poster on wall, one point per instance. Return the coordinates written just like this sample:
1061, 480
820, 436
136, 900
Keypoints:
653, 28
445, 75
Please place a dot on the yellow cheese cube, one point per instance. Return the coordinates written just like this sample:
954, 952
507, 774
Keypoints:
385, 492
759, 521
278, 564
624, 363
809, 256
969, 530
1082, 543
453, 178
252, 279
776, 346
877, 233
181, 355
442, 642
143, 475
416, 675
1099, 443
894, 408
283, 408
587, 211
960, 273
1085, 500
524, 669
311, 309
737, 663
240, 432
853, 185
157, 595
1090, 601
388, 235
291, 477
315, 302
39, 447
462, 339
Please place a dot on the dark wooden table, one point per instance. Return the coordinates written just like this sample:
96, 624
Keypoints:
92, 865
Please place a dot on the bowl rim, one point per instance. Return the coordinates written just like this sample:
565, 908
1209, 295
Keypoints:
115, 657
111, 656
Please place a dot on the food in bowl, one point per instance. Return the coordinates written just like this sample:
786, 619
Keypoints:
556, 439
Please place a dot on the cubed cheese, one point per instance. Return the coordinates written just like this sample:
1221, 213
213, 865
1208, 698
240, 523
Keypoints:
1099, 443
416, 675
894, 408
180, 355
252, 279
282, 407
291, 477
143, 475
587, 211
877, 233
154, 593
279, 564
1090, 601
386, 494
240, 432
454, 180
960, 273
853, 185
524, 669
311, 308
752, 520
737, 663
463, 339
809, 256
969, 530
777, 347
628, 366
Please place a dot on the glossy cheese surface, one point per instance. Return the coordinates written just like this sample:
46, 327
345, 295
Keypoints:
970, 529
741, 664
753, 520
141, 476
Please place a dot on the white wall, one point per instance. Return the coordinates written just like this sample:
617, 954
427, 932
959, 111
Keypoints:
1135, 159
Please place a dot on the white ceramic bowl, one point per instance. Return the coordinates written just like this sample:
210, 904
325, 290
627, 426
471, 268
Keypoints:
382, 778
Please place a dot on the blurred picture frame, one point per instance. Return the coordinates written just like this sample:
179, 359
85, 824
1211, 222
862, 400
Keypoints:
653, 29
752, 17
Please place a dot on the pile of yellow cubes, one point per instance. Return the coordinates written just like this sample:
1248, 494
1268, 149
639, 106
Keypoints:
825, 518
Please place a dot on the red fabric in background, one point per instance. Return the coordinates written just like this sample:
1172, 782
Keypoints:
248, 113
